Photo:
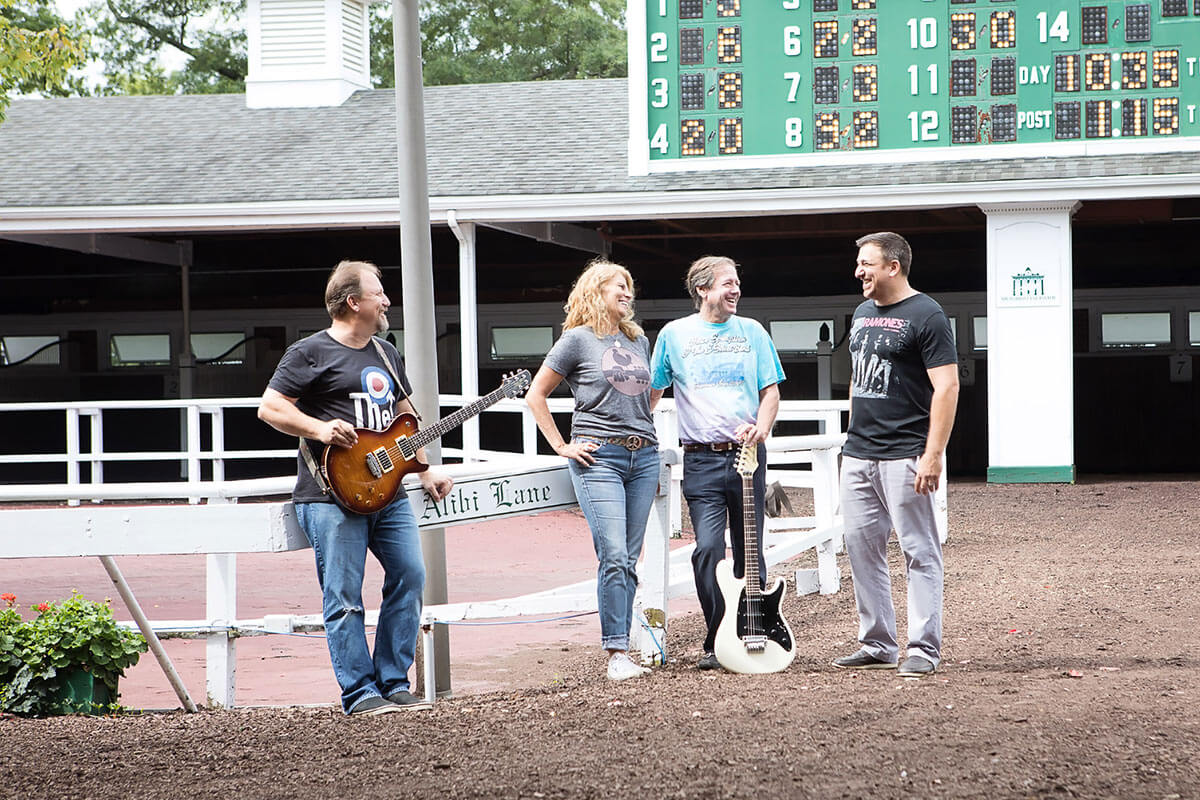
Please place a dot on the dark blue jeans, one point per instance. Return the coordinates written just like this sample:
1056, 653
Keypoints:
713, 490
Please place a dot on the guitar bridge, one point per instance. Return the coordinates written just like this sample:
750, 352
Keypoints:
754, 644
379, 462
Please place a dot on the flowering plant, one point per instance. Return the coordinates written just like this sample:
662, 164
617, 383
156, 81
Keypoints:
38, 655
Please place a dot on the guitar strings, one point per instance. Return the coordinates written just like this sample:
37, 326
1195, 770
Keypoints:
754, 625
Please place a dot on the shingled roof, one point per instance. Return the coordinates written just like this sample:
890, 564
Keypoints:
491, 140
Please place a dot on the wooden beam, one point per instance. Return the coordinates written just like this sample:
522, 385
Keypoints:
127, 247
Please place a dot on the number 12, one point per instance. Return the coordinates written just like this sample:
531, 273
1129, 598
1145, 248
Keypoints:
928, 125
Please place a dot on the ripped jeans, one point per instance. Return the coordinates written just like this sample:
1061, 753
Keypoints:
340, 541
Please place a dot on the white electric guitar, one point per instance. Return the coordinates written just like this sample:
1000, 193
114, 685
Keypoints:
753, 636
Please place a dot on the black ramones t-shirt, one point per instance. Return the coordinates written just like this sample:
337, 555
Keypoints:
891, 349
333, 381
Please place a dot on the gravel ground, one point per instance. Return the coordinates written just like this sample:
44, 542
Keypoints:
1070, 670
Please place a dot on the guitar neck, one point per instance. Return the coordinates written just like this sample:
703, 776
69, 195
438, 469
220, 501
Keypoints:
448, 423
750, 537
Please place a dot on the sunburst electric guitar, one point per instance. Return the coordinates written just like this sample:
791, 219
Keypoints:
753, 636
365, 477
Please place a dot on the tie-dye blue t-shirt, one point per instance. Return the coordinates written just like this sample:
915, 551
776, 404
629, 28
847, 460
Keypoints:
717, 370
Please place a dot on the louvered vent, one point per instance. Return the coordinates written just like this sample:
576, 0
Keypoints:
293, 33
354, 35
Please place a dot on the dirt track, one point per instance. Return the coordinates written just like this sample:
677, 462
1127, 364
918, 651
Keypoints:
1070, 670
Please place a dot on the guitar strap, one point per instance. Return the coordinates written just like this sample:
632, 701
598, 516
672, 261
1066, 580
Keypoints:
317, 473
387, 362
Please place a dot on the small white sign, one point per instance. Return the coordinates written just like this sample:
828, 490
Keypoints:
494, 496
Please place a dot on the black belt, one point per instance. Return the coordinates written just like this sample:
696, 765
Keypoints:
716, 447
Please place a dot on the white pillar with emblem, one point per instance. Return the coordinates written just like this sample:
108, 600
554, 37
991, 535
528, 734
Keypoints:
1030, 372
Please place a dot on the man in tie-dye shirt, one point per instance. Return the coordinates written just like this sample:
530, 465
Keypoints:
726, 375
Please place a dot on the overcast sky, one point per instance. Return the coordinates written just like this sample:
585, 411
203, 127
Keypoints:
172, 58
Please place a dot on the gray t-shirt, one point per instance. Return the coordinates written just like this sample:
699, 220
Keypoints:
610, 379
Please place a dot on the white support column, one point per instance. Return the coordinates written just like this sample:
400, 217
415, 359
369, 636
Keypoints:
1030, 341
650, 605
220, 650
468, 325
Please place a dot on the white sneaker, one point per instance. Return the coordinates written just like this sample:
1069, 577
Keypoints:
621, 667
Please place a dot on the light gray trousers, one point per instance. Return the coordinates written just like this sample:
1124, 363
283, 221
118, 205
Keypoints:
878, 496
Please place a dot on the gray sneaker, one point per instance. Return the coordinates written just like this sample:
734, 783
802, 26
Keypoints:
862, 660
916, 667
374, 705
405, 700
708, 661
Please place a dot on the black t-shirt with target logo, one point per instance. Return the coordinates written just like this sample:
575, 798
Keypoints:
332, 381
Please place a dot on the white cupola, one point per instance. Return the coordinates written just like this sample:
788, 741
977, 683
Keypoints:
305, 53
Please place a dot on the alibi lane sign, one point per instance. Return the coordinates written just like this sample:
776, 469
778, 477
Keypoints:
494, 496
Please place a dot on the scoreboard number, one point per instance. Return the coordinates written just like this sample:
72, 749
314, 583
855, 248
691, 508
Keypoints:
1058, 29
717, 84
795, 132
922, 34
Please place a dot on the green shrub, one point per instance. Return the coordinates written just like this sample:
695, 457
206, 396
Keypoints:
37, 655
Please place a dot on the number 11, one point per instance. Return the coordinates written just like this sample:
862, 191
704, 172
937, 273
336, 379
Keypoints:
913, 73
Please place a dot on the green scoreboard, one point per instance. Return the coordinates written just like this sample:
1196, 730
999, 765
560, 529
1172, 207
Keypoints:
744, 83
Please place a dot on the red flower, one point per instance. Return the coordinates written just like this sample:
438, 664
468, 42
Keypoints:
9, 598
43, 607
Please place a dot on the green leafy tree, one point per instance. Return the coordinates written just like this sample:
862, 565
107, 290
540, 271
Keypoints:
131, 36
472, 41
37, 50
463, 41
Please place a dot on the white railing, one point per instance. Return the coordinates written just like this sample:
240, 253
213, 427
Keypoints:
220, 526
85, 448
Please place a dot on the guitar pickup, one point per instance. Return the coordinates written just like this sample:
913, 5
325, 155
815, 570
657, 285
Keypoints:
379, 462
406, 449
754, 644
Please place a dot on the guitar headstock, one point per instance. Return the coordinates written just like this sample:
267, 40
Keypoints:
515, 383
747, 460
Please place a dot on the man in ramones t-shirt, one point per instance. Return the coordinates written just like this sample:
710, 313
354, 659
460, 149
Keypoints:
326, 386
903, 394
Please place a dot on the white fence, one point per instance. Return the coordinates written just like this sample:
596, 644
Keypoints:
216, 524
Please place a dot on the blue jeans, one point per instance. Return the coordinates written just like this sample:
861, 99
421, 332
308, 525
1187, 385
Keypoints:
615, 494
713, 490
340, 541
